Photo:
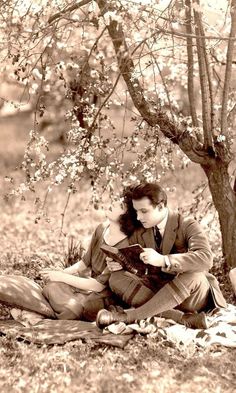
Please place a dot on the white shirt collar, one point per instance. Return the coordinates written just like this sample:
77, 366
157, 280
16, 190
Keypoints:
162, 224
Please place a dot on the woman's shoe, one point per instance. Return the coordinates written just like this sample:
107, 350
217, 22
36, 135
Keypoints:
105, 318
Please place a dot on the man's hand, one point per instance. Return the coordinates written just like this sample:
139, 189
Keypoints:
52, 275
112, 265
152, 257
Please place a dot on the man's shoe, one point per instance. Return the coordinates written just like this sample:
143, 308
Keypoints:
195, 320
105, 318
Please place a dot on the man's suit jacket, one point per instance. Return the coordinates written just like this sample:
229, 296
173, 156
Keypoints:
187, 248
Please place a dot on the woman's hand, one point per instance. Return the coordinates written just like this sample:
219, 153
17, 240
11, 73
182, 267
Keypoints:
112, 265
52, 275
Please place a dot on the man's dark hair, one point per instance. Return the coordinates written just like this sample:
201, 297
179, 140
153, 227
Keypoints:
128, 221
152, 191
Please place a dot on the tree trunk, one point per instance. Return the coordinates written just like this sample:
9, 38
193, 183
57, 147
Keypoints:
224, 200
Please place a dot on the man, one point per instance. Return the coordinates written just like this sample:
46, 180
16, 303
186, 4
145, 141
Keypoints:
177, 284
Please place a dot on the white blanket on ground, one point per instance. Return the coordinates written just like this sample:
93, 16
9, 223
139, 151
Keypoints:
222, 329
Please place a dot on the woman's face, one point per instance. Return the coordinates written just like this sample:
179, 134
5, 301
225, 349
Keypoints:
115, 210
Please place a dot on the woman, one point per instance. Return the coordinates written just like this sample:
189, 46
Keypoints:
73, 296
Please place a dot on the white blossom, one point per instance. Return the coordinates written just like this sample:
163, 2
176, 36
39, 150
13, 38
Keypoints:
221, 138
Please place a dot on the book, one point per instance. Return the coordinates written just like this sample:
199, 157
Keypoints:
128, 257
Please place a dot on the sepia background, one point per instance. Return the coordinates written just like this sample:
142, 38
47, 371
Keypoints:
40, 219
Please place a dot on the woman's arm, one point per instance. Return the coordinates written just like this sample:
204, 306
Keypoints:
77, 267
67, 275
87, 284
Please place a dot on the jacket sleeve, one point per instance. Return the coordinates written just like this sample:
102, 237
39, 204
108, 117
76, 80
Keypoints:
193, 251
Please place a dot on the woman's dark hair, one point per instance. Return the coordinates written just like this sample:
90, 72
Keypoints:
128, 221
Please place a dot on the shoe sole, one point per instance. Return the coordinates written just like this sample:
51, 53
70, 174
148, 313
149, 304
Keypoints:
97, 319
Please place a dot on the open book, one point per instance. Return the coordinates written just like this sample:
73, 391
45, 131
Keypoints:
128, 257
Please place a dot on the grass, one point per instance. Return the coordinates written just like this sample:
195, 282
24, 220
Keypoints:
145, 365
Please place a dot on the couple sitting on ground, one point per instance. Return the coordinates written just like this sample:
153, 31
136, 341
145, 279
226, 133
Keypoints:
180, 288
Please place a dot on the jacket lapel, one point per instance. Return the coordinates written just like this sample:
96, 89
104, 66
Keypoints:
168, 237
148, 238
170, 232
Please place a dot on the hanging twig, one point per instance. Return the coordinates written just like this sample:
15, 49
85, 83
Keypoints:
64, 212
166, 90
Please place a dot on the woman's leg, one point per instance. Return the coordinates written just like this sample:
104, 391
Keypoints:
66, 303
97, 301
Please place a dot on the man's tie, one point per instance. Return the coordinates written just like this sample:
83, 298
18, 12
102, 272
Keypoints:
157, 236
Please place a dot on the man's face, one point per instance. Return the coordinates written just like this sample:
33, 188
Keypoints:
147, 214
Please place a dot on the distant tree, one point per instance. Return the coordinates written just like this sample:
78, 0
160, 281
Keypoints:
170, 63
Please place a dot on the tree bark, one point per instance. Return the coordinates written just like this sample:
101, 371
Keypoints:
224, 200
228, 70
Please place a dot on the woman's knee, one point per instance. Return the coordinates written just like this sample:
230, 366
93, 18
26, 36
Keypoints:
53, 287
50, 286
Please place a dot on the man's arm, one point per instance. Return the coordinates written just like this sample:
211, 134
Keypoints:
192, 253
198, 255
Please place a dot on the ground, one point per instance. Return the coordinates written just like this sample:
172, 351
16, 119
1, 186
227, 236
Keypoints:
145, 365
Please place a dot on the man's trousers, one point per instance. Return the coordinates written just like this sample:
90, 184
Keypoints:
191, 290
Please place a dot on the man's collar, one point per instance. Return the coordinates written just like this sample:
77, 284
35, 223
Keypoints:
162, 224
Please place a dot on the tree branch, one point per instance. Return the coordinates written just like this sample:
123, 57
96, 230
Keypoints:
191, 97
154, 117
228, 70
209, 78
205, 94
67, 9
185, 35
221, 62
126, 66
